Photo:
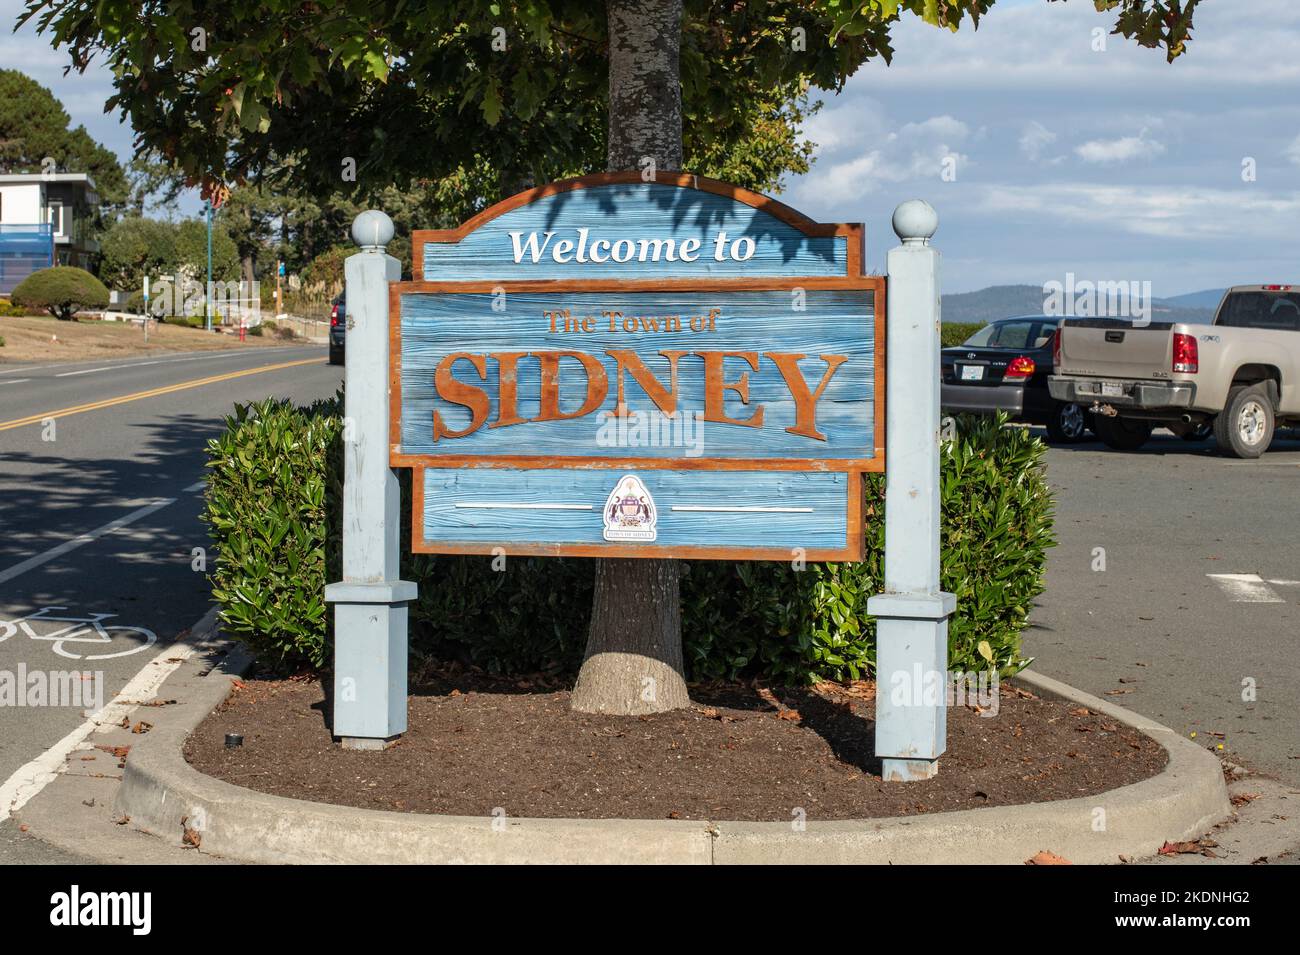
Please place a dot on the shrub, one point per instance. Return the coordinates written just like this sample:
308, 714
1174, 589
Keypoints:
257, 330
273, 480
272, 504
10, 309
952, 334
62, 291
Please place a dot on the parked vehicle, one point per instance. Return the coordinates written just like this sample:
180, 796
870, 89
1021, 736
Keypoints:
338, 327
1004, 367
1239, 375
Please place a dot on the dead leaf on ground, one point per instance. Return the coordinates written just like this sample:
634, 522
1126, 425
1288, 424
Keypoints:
1200, 847
1047, 858
141, 727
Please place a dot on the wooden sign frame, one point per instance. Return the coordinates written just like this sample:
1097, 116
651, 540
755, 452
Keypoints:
853, 468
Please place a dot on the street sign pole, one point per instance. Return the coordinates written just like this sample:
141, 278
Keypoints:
370, 613
912, 613
207, 292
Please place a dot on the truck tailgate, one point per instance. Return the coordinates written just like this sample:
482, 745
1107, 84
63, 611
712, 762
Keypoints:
1109, 348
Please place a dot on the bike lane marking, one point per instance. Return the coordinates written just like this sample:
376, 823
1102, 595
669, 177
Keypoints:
82, 539
29, 779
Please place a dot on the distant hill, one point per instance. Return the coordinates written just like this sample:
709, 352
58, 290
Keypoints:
1210, 298
1008, 301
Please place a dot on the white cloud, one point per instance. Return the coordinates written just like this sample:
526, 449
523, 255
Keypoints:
1182, 213
915, 151
1034, 139
1119, 150
1048, 46
1293, 151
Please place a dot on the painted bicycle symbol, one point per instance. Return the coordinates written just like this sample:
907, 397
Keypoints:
81, 630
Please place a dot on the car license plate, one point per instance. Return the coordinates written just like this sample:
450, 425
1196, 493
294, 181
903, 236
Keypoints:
972, 372
1112, 389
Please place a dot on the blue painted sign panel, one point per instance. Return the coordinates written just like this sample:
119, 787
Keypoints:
717, 374
635, 230
700, 509
615, 367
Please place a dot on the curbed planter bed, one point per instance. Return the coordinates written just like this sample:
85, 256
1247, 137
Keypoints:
160, 790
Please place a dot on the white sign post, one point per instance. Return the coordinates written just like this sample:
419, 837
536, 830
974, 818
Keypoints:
370, 601
912, 613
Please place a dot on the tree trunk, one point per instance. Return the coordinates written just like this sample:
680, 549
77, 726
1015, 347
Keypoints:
633, 663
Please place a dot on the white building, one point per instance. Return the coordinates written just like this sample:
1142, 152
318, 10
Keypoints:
45, 220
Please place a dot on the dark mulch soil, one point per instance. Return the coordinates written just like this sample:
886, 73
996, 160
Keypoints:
476, 743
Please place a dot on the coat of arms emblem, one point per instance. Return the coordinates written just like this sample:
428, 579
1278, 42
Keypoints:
630, 512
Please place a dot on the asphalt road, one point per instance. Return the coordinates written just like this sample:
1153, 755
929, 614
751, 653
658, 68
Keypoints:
1153, 628
100, 513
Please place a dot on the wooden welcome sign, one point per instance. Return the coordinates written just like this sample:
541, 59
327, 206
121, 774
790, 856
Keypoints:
610, 366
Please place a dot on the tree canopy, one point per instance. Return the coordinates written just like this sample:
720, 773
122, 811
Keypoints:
135, 247
481, 94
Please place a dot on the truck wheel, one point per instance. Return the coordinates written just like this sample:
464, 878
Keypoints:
1066, 423
1122, 434
1244, 429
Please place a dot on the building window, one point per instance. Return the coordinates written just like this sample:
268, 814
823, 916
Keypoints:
56, 218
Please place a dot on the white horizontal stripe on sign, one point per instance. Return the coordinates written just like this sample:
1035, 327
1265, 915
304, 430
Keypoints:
494, 505
729, 508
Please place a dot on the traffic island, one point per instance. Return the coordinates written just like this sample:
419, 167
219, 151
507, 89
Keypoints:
1055, 770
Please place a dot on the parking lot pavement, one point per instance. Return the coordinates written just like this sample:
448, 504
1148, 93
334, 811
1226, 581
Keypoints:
1175, 590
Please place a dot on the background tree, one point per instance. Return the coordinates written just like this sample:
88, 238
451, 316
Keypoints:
488, 97
135, 247
34, 126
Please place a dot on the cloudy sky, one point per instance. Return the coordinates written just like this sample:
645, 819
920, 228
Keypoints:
1114, 165
1111, 164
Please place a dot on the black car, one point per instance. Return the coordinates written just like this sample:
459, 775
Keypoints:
1004, 367
338, 327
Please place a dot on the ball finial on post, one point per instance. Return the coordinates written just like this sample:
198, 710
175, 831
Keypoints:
372, 230
915, 221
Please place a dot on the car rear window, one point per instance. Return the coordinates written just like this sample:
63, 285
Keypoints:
1022, 335
1261, 309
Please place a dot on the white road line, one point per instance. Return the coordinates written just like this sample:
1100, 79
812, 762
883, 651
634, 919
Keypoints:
34, 776
196, 486
86, 371
1246, 588
129, 363
14, 381
80, 539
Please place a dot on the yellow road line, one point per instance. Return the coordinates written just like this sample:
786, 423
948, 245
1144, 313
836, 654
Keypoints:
181, 386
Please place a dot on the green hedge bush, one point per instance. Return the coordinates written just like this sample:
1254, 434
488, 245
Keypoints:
272, 505
952, 334
62, 291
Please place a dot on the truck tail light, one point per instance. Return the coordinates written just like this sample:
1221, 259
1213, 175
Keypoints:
1021, 366
1277, 288
1056, 348
1186, 358
334, 316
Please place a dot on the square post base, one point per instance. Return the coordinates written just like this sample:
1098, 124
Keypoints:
911, 683
370, 657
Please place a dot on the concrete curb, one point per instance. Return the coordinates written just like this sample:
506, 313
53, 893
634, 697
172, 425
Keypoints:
159, 789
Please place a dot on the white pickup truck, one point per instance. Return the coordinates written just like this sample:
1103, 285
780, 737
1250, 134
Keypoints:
1239, 375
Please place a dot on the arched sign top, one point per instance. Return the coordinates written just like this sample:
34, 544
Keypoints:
623, 226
